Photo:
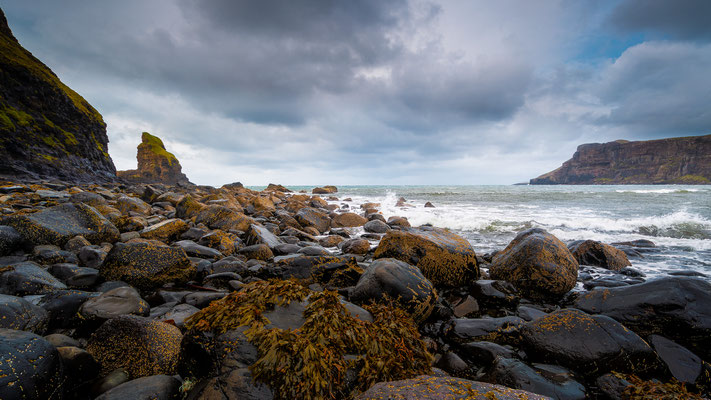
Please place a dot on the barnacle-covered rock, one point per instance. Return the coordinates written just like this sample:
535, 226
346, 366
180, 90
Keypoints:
146, 265
27, 278
592, 252
537, 263
221, 217
56, 225
141, 346
446, 259
309, 216
347, 219
389, 278
18, 313
30, 367
165, 231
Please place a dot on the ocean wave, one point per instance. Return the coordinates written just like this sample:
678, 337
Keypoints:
657, 191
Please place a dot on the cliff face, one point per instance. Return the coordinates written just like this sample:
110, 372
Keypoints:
155, 164
46, 129
685, 160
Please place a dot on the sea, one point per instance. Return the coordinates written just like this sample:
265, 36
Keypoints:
677, 218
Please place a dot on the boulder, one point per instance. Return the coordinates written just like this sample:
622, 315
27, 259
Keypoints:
79, 367
398, 222
188, 207
141, 346
330, 240
92, 256
128, 205
56, 225
221, 217
75, 276
590, 344
257, 252
497, 330
376, 226
205, 354
537, 263
155, 387
355, 246
347, 220
18, 313
234, 385
328, 189
113, 303
399, 281
62, 307
684, 365
258, 234
426, 387
177, 314
165, 231
30, 367
147, 266
591, 252
444, 258
193, 249
547, 380
225, 243
678, 308
309, 216
10, 240
28, 278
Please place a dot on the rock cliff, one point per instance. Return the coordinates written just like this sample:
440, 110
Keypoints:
683, 160
155, 164
47, 130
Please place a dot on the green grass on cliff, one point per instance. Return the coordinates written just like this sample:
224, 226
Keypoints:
156, 146
12, 53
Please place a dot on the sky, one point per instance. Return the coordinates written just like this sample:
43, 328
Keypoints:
394, 92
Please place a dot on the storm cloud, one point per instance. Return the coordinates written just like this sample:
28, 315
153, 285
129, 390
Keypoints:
368, 92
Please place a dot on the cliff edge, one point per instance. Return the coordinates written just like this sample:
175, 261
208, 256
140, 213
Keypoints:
47, 130
683, 160
155, 164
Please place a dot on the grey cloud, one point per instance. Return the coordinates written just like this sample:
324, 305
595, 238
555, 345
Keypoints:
679, 19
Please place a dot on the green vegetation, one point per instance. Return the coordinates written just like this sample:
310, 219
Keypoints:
12, 53
156, 146
693, 179
20, 117
603, 181
49, 141
6, 122
311, 362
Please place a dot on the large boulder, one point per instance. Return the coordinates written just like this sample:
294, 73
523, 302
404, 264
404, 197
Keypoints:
30, 367
678, 308
347, 219
18, 313
591, 252
547, 380
399, 281
56, 225
426, 387
146, 265
446, 259
156, 387
590, 344
27, 278
62, 306
537, 263
258, 234
167, 230
141, 346
113, 303
10, 240
221, 217
309, 216
328, 189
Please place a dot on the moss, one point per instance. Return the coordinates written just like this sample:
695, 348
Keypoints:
156, 146
6, 122
12, 53
69, 138
603, 181
311, 362
49, 141
48, 157
21, 117
693, 179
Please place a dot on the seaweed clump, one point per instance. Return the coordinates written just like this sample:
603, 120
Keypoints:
639, 389
332, 355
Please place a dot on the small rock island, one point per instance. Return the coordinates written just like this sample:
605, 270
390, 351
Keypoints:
682, 160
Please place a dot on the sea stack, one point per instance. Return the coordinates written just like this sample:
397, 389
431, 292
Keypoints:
155, 164
47, 130
682, 160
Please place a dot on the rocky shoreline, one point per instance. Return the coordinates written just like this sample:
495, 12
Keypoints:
152, 291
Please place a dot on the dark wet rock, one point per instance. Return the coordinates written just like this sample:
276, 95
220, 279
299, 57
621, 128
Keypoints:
398, 222
486, 329
688, 273
632, 272
314, 251
56, 225
547, 380
46, 255
28, 278
237, 384
147, 266
678, 308
309, 216
286, 248
10, 240
301, 235
29, 365
644, 243
109, 285
59, 340
221, 217
445, 258
178, 314
494, 294
258, 234
612, 387
537, 263
18, 313
347, 220
92, 256
156, 387
530, 313
591, 252
193, 234
203, 299
165, 231
589, 344
399, 281
229, 264
376, 226
115, 302
331, 241
110, 381
484, 353
376, 216
79, 365
611, 281
257, 252
193, 249
429, 205
465, 307
76, 243
355, 246
63, 305
451, 363
142, 346
684, 365
205, 354
222, 280
426, 387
